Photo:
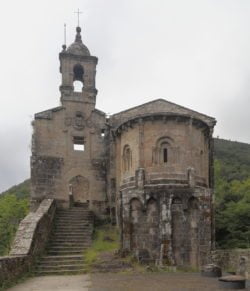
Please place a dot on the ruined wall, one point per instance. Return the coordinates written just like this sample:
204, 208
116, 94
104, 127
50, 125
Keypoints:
168, 225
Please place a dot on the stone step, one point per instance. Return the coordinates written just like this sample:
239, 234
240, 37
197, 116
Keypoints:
66, 252
76, 223
69, 240
82, 211
65, 245
72, 232
88, 227
74, 211
62, 258
50, 267
84, 218
67, 217
60, 262
67, 235
70, 248
86, 232
84, 227
60, 272
74, 215
75, 228
73, 221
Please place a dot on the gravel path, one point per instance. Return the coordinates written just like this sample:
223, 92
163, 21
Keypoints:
122, 282
53, 283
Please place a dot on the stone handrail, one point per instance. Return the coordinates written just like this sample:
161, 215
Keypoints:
29, 242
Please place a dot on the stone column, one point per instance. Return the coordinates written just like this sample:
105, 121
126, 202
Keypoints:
166, 252
141, 143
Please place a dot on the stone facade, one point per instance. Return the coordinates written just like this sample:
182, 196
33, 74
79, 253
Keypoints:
149, 167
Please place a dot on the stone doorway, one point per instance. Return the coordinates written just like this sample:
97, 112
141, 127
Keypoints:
79, 190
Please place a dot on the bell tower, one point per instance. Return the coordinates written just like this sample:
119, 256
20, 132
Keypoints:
78, 66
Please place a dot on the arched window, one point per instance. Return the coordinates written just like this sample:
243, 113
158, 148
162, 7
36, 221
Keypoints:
78, 78
162, 150
127, 158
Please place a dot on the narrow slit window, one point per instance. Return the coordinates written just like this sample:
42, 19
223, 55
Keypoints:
165, 155
78, 143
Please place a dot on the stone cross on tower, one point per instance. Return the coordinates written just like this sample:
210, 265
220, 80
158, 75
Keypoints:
78, 12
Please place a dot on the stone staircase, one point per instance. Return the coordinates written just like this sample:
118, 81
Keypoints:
70, 237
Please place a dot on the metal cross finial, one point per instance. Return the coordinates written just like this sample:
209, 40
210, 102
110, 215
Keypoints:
78, 15
65, 33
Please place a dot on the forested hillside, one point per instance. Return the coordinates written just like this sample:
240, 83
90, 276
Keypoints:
14, 205
232, 193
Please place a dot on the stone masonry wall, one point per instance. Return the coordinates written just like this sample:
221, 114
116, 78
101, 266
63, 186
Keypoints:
163, 174
12, 267
55, 161
45, 175
30, 241
34, 229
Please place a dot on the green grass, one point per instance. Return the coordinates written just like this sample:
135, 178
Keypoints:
106, 239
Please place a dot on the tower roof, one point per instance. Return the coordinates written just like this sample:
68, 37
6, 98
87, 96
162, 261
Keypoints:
77, 47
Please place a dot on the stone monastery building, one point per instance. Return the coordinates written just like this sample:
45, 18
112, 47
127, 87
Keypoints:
149, 168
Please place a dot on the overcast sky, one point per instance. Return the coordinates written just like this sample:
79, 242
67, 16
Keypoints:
195, 53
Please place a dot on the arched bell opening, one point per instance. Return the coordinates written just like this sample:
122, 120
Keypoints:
78, 73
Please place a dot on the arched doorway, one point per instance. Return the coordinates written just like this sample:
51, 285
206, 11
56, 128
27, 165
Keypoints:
79, 189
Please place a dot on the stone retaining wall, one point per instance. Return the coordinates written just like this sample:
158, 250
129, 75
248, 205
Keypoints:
229, 259
30, 241
13, 267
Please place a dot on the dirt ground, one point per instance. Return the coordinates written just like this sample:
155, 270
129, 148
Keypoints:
154, 282
54, 283
121, 282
